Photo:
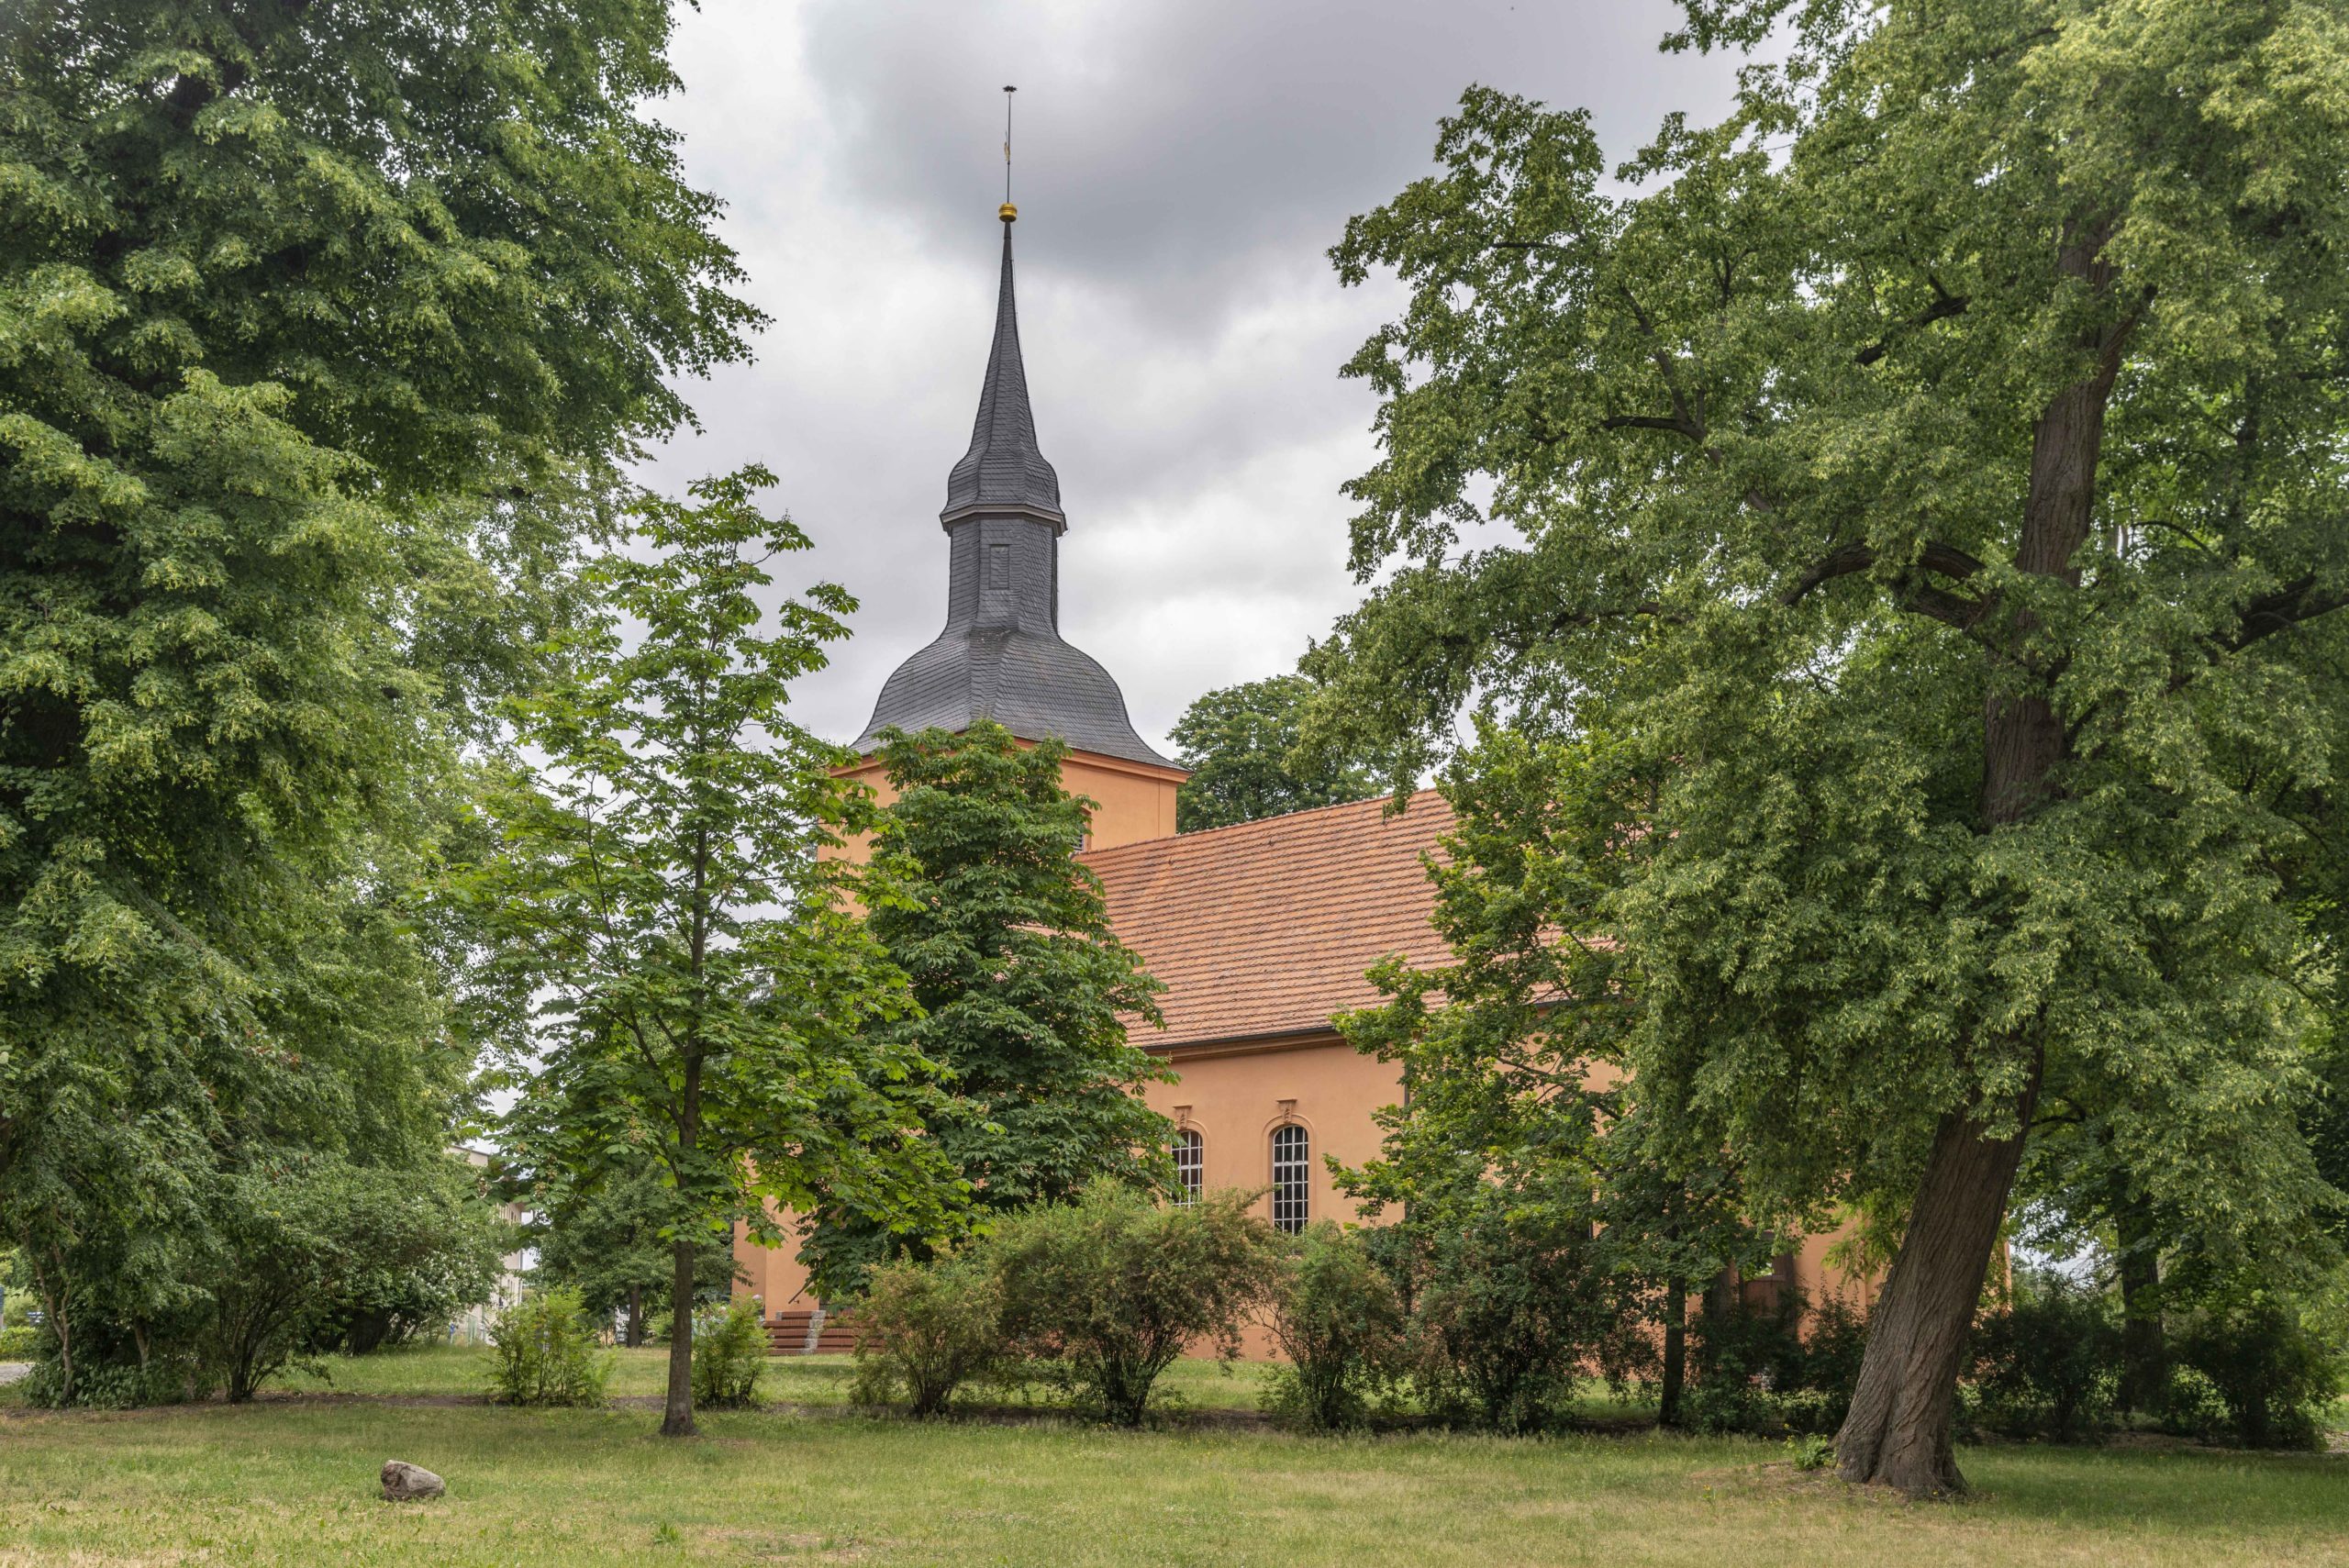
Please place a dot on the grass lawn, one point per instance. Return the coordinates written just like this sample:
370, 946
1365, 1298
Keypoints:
293, 1480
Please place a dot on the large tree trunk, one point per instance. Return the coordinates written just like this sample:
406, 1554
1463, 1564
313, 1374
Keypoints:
635, 1316
677, 1417
1898, 1431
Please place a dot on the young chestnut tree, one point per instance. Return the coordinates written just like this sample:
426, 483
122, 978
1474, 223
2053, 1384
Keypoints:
1926, 484
714, 1006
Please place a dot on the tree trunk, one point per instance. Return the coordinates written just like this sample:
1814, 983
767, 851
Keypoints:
2145, 1355
677, 1417
1899, 1430
1676, 1351
635, 1317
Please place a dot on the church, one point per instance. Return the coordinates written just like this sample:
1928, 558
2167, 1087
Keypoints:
1262, 932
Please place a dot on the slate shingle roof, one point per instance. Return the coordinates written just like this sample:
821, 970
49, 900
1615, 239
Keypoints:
1267, 929
1004, 466
1034, 686
1001, 655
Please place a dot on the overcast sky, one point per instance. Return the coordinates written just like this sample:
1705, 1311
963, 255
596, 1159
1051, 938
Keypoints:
1181, 167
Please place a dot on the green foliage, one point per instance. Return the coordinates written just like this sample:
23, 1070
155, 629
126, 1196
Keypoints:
546, 1353
1788, 1367
2274, 1377
1110, 1288
422, 1246
1510, 1310
716, 1010
1022, 989
612, 1241
2048, 1361
1813, 1451
295, 1255
927, 1330
304, 313
1509, 1104
1913, 507
1241, 744
1335, 1315
729, 1354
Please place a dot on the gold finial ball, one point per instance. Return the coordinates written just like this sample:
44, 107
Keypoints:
1008, 212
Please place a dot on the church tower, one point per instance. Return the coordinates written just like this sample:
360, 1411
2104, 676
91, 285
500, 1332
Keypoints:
1001, 655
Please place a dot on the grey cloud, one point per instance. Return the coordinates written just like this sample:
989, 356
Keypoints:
1181, 169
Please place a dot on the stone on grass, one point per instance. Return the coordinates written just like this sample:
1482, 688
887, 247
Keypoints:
405, 1482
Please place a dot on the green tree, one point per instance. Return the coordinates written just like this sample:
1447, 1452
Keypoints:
1925, 499
293, 300
1024, 991
1241, 744
1514, 1051
716, 1009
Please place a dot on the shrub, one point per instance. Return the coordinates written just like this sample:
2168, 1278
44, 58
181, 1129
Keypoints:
928, 1330
729, 1354
1510, 1313
1337, 1317
1785, 1368
2048, 1363
546, 1353
2272, 1377
281, 1259
418, 1247
1111, 1288
18, 1340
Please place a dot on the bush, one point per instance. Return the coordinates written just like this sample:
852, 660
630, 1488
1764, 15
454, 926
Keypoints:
1787, 1368
2272, 1377
284, 1257
18, 1340
1510, 1313
418, 1247
546, 1353
2047, 1364
1111, 1288
1337, 1317
729, 1354
927, 1330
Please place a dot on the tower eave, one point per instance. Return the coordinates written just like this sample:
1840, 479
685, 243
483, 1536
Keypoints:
971, 509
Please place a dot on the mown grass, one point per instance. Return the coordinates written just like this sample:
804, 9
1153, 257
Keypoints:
440, 1371
293, 1480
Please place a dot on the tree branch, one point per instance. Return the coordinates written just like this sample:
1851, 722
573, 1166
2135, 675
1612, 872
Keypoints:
1945, 305
2299, 600
1946, 560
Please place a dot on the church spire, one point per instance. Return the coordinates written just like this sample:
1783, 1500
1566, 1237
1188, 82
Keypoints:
1004, 471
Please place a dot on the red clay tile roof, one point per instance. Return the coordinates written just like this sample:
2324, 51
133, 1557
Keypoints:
1266, 927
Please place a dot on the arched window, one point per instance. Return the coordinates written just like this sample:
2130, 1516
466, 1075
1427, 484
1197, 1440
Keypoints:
1190, 1163
1291, 1175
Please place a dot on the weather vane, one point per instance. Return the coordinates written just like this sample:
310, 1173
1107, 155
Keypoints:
1008, 212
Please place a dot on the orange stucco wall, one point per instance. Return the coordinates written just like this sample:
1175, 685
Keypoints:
1234, 1099
1131, 801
